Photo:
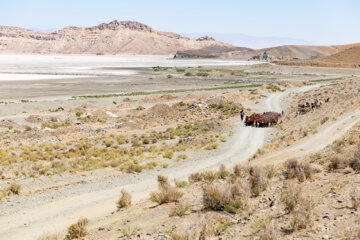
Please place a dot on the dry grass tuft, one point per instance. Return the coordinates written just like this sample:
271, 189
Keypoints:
178, 236
301, 171
355, 162
258, 180
223, 173
180, 209
14, 188
228, 197
239, 170
355, 198
303, 215
166, 193
77, 230
125, 200
290, 195
268, 232
52, 236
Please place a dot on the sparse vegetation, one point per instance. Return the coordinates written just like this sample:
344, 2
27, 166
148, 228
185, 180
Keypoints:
290, 195
180, 209
230, 198
166, 91
125, 200
301, 171
77, 230
166, 193
258, 180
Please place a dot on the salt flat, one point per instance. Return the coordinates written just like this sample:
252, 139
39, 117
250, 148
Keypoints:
82, 64
25, 77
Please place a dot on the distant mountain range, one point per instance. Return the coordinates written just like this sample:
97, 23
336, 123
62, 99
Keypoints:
116, 37
134, 38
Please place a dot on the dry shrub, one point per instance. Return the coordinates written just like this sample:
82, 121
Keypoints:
336, 163
125, 200
270, 171
180, 209
207, 227
178, 236
52, 236
163, 181
3, 194
239, 170
223, 173
355, 198
195, 177
268, 232
304, 213
355, 162
180, 184
290, 195
208, 176
258, 180
166, 193
295, 169
14, 188
228, 197
77, 230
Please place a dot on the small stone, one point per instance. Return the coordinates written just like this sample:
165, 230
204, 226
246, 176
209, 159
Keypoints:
325, 236
101, 229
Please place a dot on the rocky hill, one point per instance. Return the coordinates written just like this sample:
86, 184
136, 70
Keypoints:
116, 37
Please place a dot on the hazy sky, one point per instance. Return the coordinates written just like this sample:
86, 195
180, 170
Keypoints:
316, 21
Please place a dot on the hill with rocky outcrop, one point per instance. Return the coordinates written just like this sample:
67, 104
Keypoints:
116, 37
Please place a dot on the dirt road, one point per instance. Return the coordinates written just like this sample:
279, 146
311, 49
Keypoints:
313, 143
28, 217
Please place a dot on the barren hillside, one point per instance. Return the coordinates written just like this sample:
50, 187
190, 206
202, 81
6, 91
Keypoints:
349, 58
288, 52
116, 37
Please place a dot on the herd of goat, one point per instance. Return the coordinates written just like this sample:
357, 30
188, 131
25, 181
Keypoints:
307, 107
268, 119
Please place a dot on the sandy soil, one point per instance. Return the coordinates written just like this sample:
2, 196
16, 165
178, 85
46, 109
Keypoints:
60, 210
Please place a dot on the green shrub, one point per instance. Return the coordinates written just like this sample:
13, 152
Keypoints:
78, 114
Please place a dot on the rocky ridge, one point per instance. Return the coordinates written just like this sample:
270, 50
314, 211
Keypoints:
116, 37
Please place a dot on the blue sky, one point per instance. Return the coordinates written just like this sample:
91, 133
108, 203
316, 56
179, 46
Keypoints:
315, 21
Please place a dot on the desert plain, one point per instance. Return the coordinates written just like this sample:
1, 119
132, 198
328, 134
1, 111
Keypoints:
93, 137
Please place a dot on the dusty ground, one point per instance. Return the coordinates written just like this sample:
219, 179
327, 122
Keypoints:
72, 156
